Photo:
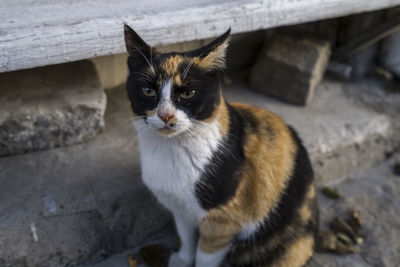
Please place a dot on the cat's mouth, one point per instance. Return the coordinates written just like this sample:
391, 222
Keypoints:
166, 130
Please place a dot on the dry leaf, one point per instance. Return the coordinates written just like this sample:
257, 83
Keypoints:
339, 225
344, 238
155, 255
330, 193
355, 222
132, 262
344, 249
327, 241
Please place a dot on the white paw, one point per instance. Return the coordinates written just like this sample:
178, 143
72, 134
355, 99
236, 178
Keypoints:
176, 261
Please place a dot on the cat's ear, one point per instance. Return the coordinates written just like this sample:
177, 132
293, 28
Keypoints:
212, 55
135, 46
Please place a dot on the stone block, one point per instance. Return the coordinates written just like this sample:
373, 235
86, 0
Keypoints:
289, 68
50, 107
112, 69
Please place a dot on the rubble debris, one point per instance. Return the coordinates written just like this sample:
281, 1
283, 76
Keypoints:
397, 168
383, 73
342, 248
35, 236
132, 262
155, 255
355, 222
344, 237
330, 192
327, 240
340, 226
290, 66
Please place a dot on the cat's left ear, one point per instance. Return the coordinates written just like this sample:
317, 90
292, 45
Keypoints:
212, 56
135, 46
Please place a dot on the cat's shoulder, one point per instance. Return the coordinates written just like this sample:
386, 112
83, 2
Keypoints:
260, 118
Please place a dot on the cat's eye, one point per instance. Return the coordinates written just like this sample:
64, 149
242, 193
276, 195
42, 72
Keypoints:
149, 92
188, 94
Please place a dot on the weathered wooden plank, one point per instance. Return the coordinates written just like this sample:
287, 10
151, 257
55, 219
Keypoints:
43, 32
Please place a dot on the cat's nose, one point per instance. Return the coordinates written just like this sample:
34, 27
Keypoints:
165, 117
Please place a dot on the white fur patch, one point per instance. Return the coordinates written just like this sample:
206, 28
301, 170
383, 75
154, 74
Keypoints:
166, 91
171, 166
248, 230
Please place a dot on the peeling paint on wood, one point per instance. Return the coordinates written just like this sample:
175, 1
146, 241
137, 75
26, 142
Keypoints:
43, 32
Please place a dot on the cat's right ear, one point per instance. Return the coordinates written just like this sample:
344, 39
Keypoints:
135, 46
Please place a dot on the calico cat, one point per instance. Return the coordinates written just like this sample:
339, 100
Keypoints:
236, 178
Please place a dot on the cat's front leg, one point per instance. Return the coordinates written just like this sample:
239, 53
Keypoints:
187, 233
217, 232
211, 259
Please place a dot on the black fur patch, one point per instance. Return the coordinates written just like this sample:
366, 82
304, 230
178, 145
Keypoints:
207, 97
283, 216
221, 178
249, 118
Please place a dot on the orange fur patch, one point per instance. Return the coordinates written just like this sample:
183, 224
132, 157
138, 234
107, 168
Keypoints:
269, 164
221, 114
297, 253
305, 211
270, 152
151, 112
171, 65
214, 60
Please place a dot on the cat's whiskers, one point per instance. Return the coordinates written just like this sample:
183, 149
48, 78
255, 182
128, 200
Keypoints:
190, 65
148, 62
187, 69
147, 77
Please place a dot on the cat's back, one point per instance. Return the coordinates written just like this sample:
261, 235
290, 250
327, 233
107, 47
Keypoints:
276, 192
266, 135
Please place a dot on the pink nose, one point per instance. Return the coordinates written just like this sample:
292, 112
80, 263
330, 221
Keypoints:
165, 117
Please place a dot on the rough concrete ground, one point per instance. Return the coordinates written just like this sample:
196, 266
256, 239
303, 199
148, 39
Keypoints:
82, 199
375, 193
87, 201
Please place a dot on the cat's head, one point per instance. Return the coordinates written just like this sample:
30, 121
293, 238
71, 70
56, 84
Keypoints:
174, 92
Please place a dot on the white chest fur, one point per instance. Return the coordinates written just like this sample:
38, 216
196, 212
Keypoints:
171, 166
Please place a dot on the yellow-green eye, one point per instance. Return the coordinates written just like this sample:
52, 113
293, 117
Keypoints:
149, 91
188, 94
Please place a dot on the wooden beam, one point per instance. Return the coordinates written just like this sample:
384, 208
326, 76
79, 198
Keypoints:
42, 32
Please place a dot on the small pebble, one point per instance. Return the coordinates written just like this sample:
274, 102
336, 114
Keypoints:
397, 169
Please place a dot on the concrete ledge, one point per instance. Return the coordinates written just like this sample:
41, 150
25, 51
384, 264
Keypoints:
49, 107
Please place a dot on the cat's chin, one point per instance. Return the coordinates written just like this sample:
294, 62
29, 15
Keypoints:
167, 131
